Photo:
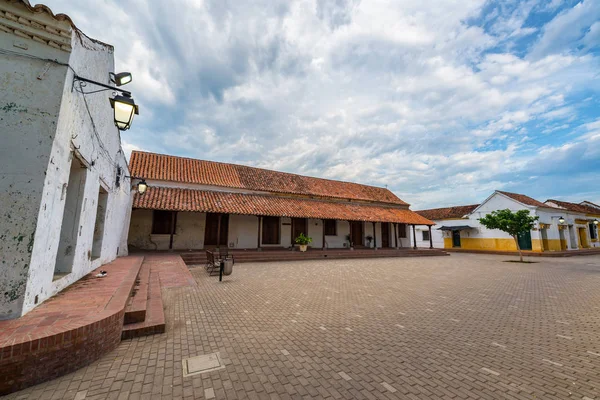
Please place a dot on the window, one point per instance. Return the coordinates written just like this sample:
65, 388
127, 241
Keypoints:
425, 235
329, 226
161, 222
402, 231
593, 232
270, 230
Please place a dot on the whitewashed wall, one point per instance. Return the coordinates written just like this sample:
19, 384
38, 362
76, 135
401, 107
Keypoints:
43, 120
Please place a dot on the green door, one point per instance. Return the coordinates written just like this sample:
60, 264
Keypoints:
455, 238
525, 241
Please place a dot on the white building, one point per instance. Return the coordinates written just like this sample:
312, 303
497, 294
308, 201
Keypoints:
561, 225
65, 201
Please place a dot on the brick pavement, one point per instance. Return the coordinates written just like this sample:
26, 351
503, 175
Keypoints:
460, 327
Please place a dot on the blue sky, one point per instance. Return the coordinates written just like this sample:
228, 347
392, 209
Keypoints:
442, 101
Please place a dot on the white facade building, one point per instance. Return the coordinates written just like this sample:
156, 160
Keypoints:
459, 227
65, 202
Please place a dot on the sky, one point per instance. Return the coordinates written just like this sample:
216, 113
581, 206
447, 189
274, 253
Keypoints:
442, 101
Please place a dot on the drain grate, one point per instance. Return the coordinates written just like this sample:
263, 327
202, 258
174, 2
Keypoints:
201, 364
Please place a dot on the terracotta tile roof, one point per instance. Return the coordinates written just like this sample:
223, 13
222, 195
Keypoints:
178, 199
447, 212
188, 170
582, 208
521, 198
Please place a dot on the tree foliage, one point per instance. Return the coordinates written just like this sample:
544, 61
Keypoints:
513, 223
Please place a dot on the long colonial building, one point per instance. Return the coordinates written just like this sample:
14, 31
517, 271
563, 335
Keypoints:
196, 204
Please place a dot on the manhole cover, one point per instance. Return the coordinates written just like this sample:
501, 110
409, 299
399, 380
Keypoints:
202, 364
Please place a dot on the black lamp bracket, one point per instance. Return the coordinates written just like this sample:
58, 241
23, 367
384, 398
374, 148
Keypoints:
105, 86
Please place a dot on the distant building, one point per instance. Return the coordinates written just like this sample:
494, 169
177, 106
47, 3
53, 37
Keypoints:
65, 201
459, 227
197, 204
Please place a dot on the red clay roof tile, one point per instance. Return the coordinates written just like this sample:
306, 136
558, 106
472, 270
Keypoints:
187, 170
521, 198
447, 212
178, 199
582, 208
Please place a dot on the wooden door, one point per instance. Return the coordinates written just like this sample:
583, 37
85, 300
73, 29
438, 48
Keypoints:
525, 241
455, 238
210, 229
299, 225
357, 233
385, 234
224, 230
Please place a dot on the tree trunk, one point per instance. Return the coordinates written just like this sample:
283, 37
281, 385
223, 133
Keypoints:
518, 247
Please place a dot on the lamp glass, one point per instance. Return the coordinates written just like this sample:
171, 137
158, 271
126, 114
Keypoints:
122, 78
124, 111
142, 186
595, 222
561, 220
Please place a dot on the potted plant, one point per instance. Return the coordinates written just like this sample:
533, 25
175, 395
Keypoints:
350, 244
369, 240
303, 241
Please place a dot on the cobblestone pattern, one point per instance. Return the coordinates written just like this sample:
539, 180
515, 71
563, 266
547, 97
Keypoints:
459, 327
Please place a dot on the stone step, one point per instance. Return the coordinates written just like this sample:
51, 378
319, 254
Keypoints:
154, 321
135, 311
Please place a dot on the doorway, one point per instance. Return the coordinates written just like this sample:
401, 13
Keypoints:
573, 237
525, 241
582, 238
212, 231
455, 238
357, 233
563, 240
69, 229
99, 225
299, 225
385, 235
545, 244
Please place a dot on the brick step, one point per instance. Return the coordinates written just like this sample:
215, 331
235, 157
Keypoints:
155, 315
200, 258
135, 311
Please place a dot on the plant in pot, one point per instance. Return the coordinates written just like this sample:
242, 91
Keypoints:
303, 241
369, 240
350, 244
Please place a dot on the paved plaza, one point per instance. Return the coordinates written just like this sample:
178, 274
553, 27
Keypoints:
459, 327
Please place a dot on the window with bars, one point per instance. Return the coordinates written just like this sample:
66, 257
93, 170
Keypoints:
402, 231
161, 222
425, 235
329, 227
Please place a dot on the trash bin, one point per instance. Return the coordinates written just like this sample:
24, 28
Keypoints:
228, 266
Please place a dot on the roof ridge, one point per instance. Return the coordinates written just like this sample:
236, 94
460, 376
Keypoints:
265, 169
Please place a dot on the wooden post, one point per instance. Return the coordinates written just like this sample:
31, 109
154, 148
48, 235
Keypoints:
350, 229
258, 236
430, 238
414, 237
374, 237
219, 230
395, 236
323, 229
173, 214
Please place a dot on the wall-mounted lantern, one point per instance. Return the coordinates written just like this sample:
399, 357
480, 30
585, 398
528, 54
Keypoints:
123, 105
595, 222
561, 220
142, 186
125, 108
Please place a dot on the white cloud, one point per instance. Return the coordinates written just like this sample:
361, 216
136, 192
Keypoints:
428, 97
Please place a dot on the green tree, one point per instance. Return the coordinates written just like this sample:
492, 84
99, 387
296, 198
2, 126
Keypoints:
513, 223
